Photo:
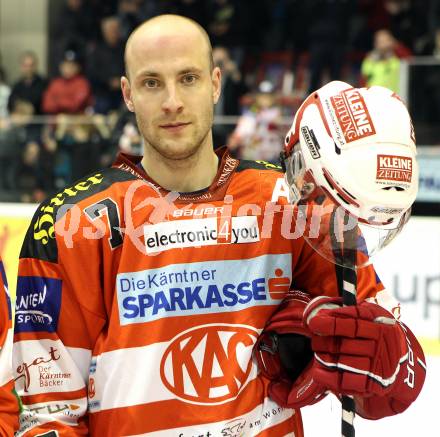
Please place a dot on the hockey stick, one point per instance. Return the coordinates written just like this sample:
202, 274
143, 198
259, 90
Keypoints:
349, 282
346, 252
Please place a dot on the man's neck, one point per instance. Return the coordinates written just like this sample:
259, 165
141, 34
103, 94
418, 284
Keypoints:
187, 175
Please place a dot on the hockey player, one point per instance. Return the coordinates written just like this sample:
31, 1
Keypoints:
8, 399
143, 288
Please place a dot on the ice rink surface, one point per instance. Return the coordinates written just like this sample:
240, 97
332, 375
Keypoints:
421, 419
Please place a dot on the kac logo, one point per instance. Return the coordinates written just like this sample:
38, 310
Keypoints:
209, 364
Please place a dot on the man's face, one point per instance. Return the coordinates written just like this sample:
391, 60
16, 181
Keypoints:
69, 69
383, 41
172, 90
111, 31
28, 66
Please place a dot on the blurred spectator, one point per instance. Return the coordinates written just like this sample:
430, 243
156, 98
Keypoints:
408, 20
130, 14
328, 26
69, 93
435, 51
13, 135
73, 28
233, 88
105, 66
431, 46
284, 26
10, 143
226, 26
382, 66
425, 92
375, 14
31, 86
80, 141
29, 174
258, 135
125, 137
5, 91
130, 140
433, 16
105, 8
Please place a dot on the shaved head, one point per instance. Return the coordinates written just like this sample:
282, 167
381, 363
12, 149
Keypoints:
163, 26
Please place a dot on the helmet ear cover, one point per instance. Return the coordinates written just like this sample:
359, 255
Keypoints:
292, 136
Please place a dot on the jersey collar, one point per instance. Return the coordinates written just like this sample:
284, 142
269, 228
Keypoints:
215, 191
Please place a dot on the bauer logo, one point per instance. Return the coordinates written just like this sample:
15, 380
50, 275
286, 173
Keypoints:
394, 168
38, 304
311, 141
209, 364
202, 288
200, 232
352, 115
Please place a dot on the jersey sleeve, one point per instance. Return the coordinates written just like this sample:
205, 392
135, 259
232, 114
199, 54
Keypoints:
59, 316
8, 399
318, 276
312, 272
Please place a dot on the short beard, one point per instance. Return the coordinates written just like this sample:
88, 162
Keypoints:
168, 153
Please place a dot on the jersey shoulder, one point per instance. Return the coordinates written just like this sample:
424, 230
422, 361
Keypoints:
40, 241
264, 179
264, 166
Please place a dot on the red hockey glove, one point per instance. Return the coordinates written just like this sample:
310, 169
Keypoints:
361, 350
284, 355
364, 351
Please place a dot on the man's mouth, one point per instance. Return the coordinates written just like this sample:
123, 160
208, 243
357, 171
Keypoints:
174, 127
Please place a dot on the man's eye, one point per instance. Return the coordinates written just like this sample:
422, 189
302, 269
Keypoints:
188, 79
151, 83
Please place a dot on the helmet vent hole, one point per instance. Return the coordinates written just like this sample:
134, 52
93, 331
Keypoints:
347, 203
328, 180
342, 194
394, 187
351, 195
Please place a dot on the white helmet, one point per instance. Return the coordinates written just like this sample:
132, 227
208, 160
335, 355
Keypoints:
354, 148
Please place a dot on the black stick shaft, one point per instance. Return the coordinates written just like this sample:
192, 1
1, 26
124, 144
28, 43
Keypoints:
349, 283
348, 298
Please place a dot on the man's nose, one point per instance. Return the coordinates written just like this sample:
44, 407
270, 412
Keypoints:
173, 101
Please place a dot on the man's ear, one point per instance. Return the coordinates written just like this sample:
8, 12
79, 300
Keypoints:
126, 92
217, 83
